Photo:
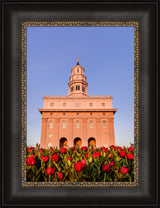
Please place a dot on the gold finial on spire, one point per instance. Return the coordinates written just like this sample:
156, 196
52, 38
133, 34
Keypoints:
77, 61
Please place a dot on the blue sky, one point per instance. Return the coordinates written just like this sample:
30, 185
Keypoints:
106, 53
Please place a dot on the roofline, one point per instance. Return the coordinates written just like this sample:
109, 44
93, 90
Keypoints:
77, 110
88, 97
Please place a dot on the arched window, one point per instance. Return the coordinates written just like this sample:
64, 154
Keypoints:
77, 125
77, 70
91, 142
104, 124
77, 87
77, 142
50, 124
63, 124
63, 142
91, 124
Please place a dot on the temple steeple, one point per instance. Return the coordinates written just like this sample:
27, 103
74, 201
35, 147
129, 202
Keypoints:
77, 61
77, 84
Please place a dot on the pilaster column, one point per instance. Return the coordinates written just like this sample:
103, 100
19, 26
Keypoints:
70, 139
84, 139
43, 133
56, 129
98, 138
111, 131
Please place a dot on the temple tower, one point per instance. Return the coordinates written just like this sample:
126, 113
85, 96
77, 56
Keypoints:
77, 84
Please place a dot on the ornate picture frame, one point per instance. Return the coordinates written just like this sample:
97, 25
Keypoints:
16, 19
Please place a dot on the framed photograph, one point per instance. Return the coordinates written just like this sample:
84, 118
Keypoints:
80, 104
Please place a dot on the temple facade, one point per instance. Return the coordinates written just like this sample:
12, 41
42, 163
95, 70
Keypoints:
77, 119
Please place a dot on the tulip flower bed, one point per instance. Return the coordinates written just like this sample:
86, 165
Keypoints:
114, 164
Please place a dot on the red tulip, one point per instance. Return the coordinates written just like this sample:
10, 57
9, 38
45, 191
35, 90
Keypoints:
124, 170
31, 149
130, 149
105, 168
69, 158
122, 153
104, 149
83, 164
63, 150
130, 156
84, 148
50, 171
96, 154
55, 157
86, 155
45, 158
60, 175
112, 163
78, 166
112, 146
31, 161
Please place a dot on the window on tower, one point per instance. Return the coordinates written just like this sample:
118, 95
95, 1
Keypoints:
83, 88
77, 87
77, 70
72, 88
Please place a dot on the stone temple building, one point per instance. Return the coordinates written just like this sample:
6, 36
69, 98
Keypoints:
77, 119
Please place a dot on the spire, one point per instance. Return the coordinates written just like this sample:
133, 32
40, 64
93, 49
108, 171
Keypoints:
77, 61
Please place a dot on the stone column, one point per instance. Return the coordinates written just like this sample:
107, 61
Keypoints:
98, 133
56, 139
111, 131
85, 139
43, 133
70, 138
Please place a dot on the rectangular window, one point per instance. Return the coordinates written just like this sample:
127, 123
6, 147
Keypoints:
64, 104
104, 124
63, 124
77, 70
77, 125
77, 87
90, 104
51, 104
103, 104
50, 124
91, 124
72, 88
83, 89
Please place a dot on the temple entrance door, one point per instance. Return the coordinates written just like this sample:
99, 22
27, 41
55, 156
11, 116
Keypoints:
77, 142
92, 142
63, 143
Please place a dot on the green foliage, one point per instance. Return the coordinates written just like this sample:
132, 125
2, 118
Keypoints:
90, 164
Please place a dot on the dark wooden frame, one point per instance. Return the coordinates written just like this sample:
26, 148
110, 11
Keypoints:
13, 193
